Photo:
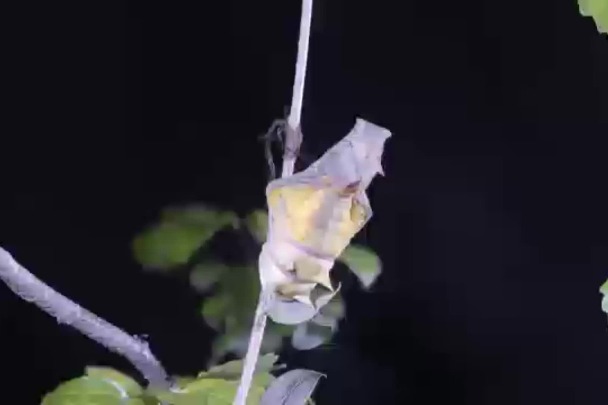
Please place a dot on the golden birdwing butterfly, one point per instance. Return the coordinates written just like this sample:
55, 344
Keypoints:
313, 216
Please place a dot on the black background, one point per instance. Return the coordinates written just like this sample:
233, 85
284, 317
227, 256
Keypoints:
491, 220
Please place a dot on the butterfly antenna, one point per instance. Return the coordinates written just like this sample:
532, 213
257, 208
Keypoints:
275, 133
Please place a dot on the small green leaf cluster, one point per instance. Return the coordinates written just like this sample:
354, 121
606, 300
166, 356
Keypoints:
604, 291
598, 10
231, 291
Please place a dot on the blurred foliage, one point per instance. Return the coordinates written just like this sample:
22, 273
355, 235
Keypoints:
604, 291
363, 262
231, 291
216, 386
178, 234
99, 386
598, 10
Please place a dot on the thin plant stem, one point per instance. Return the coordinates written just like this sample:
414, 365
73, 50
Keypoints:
253, 350
295, 113
292, 145
31, 289
294, 135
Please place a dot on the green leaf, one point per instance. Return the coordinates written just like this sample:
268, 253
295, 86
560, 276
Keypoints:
274, 335
272, 341
220, 347
310, 335
598, 10
266, 363
128, 384
232, 370
178, 235
215, 309
231, 342
236, 342
211, 391
604, 291
242, 285
182, 381
279, 328
334, 309
167, 245
149, 400
604, 288
231, 308
90, 391
201, 215
363, 262
206, 274
257, 224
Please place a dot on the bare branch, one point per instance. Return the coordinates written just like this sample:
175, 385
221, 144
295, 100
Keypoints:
31, 289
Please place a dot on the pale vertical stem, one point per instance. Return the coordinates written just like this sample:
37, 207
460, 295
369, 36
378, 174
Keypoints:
294, 136
31, 289
293, 140
292, 146
253, 350
295, 114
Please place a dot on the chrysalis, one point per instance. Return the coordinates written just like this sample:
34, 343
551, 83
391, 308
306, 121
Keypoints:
313, 215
